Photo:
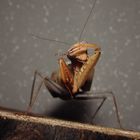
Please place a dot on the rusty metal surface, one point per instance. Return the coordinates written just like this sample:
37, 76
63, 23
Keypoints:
15, 125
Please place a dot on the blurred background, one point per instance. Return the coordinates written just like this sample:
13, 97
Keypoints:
114, 25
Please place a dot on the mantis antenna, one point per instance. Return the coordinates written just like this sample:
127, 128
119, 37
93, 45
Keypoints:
93, 6
80, 36
53, 40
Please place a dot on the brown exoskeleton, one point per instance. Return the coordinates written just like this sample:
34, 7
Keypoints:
73, 81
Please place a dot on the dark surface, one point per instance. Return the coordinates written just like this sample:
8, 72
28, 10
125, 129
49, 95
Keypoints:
12, 130
18, 130
115, 26
16, 125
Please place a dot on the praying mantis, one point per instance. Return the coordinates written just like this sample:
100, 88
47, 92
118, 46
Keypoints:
73, 81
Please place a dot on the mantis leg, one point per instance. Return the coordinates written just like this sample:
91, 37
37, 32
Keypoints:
101, 95
55, 89
34, 94
88, 83
82, 76
66, 76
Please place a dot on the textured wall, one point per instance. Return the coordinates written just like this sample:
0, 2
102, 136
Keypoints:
115, 26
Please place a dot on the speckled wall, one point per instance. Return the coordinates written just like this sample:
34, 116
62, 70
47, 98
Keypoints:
115, 26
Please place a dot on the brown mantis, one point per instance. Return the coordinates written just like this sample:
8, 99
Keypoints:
73, 81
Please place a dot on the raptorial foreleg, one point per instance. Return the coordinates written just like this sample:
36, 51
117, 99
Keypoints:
81, 77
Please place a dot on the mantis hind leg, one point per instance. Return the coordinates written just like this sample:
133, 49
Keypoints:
103, 95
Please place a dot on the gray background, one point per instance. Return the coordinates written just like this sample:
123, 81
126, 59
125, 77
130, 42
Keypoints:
115, 26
